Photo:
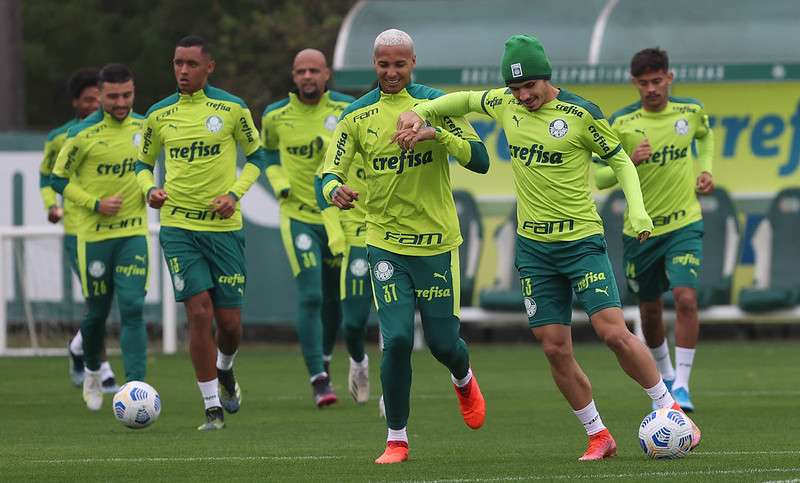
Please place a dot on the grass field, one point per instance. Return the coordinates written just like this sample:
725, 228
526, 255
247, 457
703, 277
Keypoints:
747, 396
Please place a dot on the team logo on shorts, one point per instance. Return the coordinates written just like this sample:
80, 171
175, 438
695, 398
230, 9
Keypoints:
359, 267
383, 271
516, 70
682, 127
302, 242
179, 282
530, 306
214, 123
97, 269
330, 122
558, 128
137, 139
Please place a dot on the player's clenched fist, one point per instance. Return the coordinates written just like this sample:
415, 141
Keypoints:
224, 205
343, 197
705, 183
156, 198
110, 206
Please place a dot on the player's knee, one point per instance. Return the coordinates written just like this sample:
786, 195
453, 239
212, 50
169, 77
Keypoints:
616, 339
398, 345
557, 351
199, 308
310, 299
131, 308
685, 301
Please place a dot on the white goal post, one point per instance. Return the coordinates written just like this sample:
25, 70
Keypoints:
8, 259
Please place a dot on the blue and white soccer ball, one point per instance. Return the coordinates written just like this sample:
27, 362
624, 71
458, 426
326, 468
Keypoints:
136, 405
665, 433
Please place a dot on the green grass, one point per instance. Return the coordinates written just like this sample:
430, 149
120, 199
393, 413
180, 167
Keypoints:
746, 393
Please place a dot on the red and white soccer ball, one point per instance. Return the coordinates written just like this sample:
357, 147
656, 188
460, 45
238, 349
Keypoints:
136, 405
665, 433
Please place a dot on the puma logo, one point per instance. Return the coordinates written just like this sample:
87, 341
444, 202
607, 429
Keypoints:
693, 272
373, 132
439, 275
173, 126
601, 290
516, 119
140, 258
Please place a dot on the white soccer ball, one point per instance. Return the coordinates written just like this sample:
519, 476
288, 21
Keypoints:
665, 433
136, 405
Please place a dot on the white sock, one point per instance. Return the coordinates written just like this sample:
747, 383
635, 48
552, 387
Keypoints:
660, 395
590, 419
225, 361
90, 372
397, 435
462, 382
327, 357
364, 362
317, 376
209, 391
105, 370
684, 358
663, 362
76, 345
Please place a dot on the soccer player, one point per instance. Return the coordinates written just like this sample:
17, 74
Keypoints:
94, 171
412, 229
201, 223
295, 132
82, 88
355, 288
658, 131
552, 134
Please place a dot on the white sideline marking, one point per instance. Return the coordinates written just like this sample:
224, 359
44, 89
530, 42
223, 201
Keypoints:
736, 453
191, 459
644, 474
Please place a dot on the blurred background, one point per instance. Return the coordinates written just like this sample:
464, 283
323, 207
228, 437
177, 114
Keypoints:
738, 57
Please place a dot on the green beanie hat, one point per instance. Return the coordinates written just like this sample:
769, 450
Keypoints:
524, 59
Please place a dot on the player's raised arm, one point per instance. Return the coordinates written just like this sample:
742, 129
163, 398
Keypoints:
148, 154
68, 161
338, 157
601, 139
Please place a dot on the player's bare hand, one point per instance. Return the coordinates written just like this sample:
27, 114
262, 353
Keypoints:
408, 138
224, 205
705, 183
409, 120
110, 206
643, 236
641, 153
156, 198
54, 214
343, 197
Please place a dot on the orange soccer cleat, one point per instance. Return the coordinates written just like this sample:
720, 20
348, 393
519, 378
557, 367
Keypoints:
471, 403
395, 452
601, 445
696, 434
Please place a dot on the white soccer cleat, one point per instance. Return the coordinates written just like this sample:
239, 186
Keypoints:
93, 391
358, 380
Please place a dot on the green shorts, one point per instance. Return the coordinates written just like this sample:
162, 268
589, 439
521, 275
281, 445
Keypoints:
403, 282
206, 260
354, 279
550, 272
70, 253
121, 263
306, 245
664, 262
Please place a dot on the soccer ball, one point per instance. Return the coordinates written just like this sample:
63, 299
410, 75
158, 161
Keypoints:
665, 433
136, 405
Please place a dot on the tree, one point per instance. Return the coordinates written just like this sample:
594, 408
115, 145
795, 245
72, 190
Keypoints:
254, 42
